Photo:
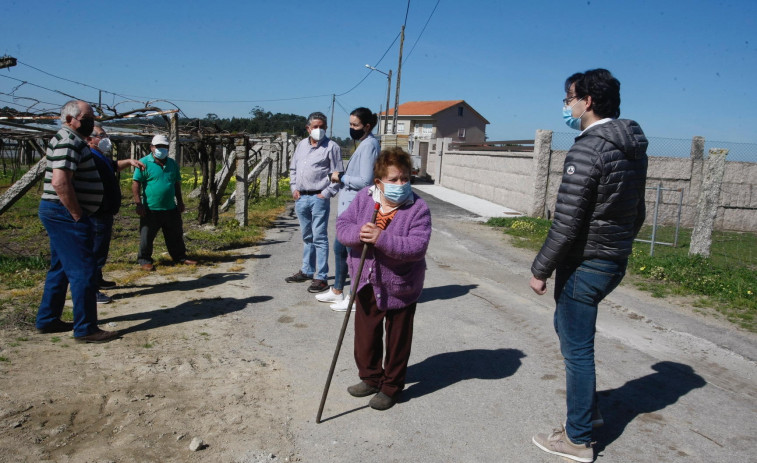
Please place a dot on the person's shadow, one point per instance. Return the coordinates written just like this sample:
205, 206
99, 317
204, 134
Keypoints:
445, 292
442, 370
188, 311
205, 281
643, 395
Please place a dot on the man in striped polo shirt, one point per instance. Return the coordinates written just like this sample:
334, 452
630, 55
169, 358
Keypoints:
73, 190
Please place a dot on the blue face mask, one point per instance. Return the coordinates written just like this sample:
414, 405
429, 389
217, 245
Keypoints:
161, 153
570, 121
397, 194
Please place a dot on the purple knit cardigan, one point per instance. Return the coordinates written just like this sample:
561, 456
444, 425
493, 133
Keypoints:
396, 265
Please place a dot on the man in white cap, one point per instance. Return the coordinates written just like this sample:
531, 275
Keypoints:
157, 196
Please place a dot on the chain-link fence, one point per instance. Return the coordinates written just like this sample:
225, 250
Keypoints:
673, 147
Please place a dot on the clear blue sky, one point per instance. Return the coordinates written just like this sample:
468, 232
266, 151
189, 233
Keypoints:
686, 67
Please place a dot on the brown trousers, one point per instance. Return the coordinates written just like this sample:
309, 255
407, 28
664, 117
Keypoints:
369, 342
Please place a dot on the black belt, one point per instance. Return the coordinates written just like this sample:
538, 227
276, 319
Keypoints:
310, 192
56, 201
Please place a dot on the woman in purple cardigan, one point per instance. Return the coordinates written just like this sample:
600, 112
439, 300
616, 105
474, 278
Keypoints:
392, 277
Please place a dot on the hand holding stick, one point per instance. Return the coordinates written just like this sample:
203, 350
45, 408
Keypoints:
353, 293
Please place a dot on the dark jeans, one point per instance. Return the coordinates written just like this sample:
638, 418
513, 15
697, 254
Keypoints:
369, 342
578, 290
340, 264
71, 262
173, 234
103, 228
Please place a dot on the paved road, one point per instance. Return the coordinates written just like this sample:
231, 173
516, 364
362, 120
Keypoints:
486, 374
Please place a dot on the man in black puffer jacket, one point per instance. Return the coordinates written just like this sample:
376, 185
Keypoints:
599, 210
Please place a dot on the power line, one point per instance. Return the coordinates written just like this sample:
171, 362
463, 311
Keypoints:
421, 34
375, 65
406, 12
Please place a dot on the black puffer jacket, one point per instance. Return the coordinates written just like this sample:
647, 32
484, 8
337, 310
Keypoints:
600, 203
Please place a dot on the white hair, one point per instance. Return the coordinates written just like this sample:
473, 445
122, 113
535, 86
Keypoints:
70, 109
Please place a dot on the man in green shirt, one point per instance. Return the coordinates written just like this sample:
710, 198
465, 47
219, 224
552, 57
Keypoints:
157, 195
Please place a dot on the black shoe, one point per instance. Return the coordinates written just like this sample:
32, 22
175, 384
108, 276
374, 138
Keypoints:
382, 401
318, 286
298, 277
56, 326
98, 337
362, 389
106, 284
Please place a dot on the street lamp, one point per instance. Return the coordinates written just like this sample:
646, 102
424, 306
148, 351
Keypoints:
388, 89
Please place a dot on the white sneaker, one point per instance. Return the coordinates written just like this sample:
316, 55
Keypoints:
329, 296
342, 305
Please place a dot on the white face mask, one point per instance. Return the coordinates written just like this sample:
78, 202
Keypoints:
160, 153
317, 134
105, 145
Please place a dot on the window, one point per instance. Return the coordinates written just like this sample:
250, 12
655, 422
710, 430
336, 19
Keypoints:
460, 111
427, 128
461, 133
400, 127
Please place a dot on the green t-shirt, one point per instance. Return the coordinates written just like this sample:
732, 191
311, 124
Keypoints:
158, 183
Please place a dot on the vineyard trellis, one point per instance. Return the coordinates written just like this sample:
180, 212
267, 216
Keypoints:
264, 158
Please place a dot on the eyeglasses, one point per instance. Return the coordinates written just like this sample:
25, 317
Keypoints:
98, 135
565, 101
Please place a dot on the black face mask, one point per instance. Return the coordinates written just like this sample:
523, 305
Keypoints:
357, 134
86, 128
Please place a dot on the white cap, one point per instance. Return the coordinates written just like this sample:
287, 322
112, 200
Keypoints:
159, 140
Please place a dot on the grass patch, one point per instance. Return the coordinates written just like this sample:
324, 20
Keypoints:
25, 253
528, 232
725, 282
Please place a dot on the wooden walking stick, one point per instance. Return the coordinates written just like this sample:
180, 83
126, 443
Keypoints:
353, 294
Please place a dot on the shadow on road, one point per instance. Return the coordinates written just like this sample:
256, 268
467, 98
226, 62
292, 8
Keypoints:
205, 281
445, 292
443, 370
188, 311
643, 396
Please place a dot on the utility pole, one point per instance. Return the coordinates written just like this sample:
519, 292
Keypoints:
331, 127
7, 61
397, 91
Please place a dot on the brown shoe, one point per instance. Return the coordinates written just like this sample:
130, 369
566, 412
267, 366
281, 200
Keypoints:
382, 401
318, 286
362, 389
188, 262
298, 277
148, 267
99, 336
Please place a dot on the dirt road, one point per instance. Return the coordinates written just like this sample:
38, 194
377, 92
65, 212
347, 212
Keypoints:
235, 356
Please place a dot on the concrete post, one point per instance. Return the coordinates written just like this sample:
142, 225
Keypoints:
709, 199
542, 162
173, 137
241, 147
284, 151
697, 148
441, 147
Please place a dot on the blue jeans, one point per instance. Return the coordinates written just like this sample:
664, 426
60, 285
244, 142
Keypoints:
578, 290
103, 229
340, 262
71, 262
313, 213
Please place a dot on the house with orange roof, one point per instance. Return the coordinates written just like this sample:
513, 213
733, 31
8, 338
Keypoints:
423, 121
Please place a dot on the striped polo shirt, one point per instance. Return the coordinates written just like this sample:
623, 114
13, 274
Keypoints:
67, 150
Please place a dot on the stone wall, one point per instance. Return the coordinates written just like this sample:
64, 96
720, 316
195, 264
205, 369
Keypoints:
517, 181
502, 177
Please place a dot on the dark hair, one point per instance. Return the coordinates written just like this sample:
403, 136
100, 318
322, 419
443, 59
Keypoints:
365, 116
394, 156
318, 115
603, 88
